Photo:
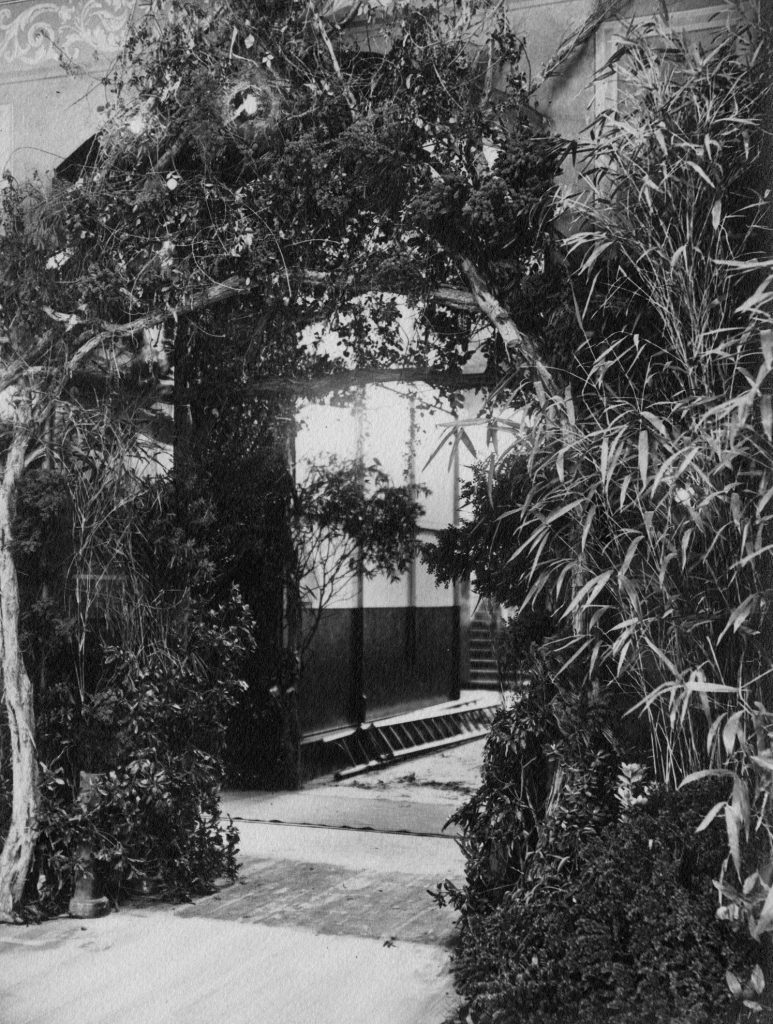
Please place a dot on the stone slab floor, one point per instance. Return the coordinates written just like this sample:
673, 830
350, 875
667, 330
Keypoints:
328, 923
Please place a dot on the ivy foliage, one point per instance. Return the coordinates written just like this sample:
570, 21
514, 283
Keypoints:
264, 145
633, 939
135, 691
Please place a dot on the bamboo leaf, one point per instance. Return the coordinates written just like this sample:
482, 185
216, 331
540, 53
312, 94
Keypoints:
686, 538
656, 422
713, 733
766, 415
739, 615
733, 983
443, 441
569, 406
741, 804
750, 882
732, 825
700, 172
764, 500
587, 526
702, 687
624, 489
623, 655
644, 454
559, 513
707, 773
680, 253
708, 818
464, 437
765, 920
758, 979
735, 507
762, 297
604, 459
732, 731
629, 555
589, 591
766, 344
716, 214
490, 480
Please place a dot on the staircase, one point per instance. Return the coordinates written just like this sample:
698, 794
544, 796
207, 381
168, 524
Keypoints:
483, 662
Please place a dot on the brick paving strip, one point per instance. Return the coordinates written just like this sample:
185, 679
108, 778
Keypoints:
325, 925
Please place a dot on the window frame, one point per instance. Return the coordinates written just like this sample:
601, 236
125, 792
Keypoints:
610, 35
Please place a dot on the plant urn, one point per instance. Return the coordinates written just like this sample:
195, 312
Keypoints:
86, 900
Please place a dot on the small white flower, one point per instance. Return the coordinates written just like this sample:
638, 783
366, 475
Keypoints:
58, 259
490, 154
250, 104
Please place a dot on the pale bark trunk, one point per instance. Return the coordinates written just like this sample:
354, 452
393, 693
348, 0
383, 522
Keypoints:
512, 336
570, 47
19, 846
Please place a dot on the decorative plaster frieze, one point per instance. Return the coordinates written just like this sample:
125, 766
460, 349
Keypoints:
80, 32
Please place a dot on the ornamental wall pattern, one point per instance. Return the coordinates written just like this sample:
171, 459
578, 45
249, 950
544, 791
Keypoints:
36, 34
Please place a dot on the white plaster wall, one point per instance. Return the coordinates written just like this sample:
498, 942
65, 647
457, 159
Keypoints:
434, 460
381, 593
386, 430
43, 133
325, 430
53, 111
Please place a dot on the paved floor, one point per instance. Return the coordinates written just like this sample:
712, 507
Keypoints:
326, 925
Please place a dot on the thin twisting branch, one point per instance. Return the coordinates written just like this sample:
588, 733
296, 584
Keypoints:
570, 47
319, 25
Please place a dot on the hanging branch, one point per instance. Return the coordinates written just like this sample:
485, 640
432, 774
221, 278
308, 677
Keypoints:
569, 48
319, 25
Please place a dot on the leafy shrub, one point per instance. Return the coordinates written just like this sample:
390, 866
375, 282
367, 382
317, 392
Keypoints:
629, 937
136, 694
515, 643
485, 544
547, 783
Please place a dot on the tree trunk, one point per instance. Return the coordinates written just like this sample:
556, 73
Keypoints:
19, 846
290, 745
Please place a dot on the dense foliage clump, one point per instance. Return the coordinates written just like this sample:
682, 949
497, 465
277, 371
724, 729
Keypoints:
138, 671
629, 937
641, 519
